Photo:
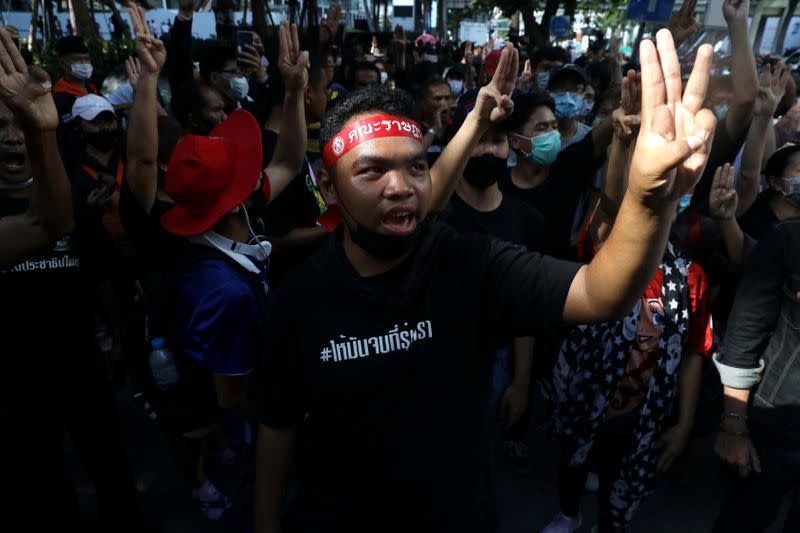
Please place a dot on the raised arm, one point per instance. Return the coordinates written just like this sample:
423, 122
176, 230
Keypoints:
142, 141
743, 68
683, 24
493, 105
26, 92
722, 202
670, 155
181, 67
770, 92
290, 151
626, 119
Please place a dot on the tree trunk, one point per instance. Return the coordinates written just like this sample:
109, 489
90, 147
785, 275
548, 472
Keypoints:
533, 30
34, 25
513, 27
784, 27
120, 30
550, 9
442, 19
418, 24
82, 23
259, 22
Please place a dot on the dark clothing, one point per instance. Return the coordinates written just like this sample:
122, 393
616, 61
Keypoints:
724, 149
179, 53
53, 378
513, 221
155, 245
393, 371
765, 323
557, 198
760, 218
65, 94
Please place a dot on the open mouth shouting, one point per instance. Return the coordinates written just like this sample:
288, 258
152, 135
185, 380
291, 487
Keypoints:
400, 220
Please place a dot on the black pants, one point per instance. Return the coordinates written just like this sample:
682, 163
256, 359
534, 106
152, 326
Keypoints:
47, 394
610, 447
752, 504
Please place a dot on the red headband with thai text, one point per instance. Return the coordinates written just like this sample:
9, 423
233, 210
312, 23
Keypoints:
367, 129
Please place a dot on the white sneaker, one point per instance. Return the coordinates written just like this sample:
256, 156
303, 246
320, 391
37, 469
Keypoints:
562, 524
592, 482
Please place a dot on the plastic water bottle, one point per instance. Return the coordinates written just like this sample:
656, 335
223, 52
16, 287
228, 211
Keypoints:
162, 365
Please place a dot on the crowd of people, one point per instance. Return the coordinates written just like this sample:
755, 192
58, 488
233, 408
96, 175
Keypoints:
332, 261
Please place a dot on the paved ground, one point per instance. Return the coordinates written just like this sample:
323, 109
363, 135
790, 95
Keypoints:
687, 505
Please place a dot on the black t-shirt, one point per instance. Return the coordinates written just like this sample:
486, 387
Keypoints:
386, 373
513, 221
43, 303
760, 217
557, 198
156, 246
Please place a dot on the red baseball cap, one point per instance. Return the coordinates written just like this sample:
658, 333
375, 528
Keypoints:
209, 176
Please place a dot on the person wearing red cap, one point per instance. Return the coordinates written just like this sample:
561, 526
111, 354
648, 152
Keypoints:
215, 303
375, 386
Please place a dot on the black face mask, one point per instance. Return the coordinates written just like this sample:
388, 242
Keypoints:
102, 140
484, 171
381, 246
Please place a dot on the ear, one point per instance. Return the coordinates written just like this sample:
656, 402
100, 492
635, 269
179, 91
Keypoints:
514, 142
775, 183
325, 184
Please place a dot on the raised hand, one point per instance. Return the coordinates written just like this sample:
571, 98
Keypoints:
771, 87
494, 100
133, 68
399, 39
186, 8
331, 23
250, 59
723, 200
150, 51
736, 10
468, 53
488, 48
683, 24
676, 132
627, 117
292, 63
26, 91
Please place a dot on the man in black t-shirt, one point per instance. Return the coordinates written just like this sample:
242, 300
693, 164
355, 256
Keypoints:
51, 376
479, 207
394, 369
551, 179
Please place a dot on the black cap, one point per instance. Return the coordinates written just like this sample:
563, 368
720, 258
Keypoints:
569, 71
72, 44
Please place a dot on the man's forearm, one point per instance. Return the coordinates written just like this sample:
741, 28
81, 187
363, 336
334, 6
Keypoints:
743, 68
609, 286
142, 143
691, 370
616, 177
290, 150
273, 459
523, 360
449, 167
601, 138
51, 201
733, 238
749, 181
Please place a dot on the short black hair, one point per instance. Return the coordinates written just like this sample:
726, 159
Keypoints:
71, 44
375, 98
361, 65
599, 75
433, 81
550, 53
189, 99
215, 58
778, 162
525, 105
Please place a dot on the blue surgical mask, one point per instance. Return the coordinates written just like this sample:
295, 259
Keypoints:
237, 88
720, 111
544, 148
567, 104
456, 86
586, 108
793, 194
684, 202
81, 70
543, 79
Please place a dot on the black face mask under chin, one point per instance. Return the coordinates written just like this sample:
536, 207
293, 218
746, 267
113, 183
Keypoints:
102, 140
379, 245
484, 171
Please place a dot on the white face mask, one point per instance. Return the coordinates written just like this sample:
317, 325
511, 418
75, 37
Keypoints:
456, 86
543, 79
81, 70
237, 88
384, 78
